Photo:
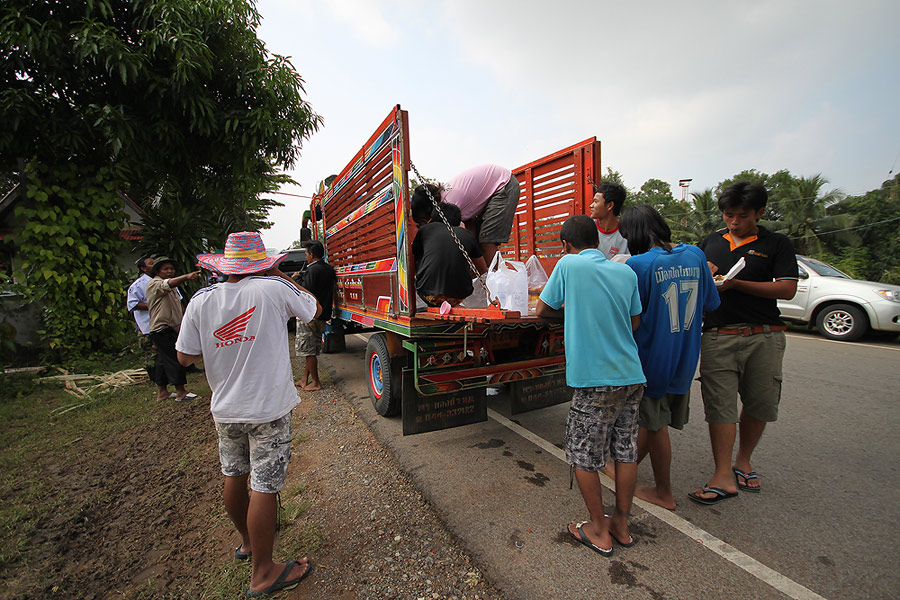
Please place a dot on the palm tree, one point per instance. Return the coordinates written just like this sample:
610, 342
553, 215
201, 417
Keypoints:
803, 216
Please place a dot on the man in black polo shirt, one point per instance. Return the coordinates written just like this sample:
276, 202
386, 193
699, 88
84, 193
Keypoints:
319, 279
743, 340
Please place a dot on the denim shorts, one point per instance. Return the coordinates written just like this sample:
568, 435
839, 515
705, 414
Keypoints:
261, 449
603, 425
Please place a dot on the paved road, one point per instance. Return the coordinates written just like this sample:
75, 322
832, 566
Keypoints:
825, 525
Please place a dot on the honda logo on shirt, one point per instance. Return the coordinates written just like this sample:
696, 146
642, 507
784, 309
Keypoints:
232, 332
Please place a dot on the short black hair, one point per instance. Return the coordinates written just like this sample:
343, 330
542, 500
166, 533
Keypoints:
315, 248
612, 192
421, 204
451, 212
644, 228
141, 263
744, 194
580, 231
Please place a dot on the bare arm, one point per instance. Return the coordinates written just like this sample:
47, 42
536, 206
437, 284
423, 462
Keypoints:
635, 322
176, 281
141, 306
545, 311
186, 360
783, 289
480, 265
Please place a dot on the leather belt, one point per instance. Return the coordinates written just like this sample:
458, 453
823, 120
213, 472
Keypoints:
746, 330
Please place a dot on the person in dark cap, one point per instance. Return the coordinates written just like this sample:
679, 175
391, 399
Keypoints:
164, 305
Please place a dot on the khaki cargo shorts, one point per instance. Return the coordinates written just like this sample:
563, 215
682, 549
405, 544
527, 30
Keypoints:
749, 365
672, 410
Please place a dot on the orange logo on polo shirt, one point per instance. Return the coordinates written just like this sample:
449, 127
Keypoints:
232, 332
757, 253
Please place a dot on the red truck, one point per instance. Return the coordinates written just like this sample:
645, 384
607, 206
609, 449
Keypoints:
434, 368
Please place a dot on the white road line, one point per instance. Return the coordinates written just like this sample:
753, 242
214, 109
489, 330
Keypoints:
856, 344
749, 564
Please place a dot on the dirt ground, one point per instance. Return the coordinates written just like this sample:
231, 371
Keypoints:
137, 512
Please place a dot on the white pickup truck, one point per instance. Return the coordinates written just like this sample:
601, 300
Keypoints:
842, 308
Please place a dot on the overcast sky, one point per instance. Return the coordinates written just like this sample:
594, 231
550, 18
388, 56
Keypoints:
673, 90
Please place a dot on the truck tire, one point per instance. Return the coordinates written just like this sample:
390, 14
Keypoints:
385, 383
843, 322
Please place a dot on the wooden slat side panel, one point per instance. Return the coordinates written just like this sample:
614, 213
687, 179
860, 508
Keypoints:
553, 188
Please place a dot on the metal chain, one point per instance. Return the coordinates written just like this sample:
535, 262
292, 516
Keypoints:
459, 245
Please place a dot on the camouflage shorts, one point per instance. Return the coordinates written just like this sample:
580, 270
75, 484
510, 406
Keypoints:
603, 425
308, 338
261, 449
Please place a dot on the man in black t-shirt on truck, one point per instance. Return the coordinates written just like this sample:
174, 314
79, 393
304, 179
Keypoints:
442, 272
743, 340
318, 279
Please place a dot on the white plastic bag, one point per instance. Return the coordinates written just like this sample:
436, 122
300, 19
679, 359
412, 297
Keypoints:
508, 282
537, 279
477, 299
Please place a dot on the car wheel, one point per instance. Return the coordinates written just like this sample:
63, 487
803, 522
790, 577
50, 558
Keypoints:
843, 322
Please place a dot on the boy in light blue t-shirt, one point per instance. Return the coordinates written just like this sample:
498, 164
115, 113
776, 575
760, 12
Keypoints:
602, 309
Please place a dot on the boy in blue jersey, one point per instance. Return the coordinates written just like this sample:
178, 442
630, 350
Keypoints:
676, 288
602, 309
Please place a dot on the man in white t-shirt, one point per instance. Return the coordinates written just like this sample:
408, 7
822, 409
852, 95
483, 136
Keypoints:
240, 329
608, 201
137, 296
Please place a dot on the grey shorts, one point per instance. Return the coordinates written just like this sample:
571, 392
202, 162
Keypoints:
498, 213
261, 449
603, 424
672, 410
308, 338
749, 365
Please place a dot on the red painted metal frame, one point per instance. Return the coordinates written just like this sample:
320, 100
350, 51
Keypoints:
552, 189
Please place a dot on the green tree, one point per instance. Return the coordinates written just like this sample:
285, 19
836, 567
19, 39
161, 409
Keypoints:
802, 211
877, 215
703, 217
176, 102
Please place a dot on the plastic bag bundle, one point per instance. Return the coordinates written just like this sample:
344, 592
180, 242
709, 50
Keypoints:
508, 282
477, 299
537, 279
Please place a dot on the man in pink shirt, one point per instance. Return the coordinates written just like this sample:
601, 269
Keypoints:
486, 195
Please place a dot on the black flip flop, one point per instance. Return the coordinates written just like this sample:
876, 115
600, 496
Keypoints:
747, 477
280, 583
630, 543
607, 552
719, 492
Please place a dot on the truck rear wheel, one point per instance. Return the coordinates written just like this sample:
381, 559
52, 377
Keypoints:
843, 322
385, 383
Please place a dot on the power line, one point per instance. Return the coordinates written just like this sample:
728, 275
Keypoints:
866, 226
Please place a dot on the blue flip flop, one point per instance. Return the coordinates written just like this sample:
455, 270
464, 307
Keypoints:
719, 492
747, 477
238, 555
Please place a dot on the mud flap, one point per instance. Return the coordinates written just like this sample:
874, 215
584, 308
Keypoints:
442, 411
541, 392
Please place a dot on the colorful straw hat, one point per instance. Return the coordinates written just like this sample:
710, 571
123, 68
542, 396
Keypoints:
244, 254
